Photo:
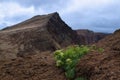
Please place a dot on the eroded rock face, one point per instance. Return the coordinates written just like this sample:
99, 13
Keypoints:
90, 37
40, 33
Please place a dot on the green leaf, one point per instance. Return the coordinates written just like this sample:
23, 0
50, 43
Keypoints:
69, 57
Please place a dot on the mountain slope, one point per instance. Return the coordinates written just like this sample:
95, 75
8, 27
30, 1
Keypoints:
90, 37
40, 33
103, 66
36, 67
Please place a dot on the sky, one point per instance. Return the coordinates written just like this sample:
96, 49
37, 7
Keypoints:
96, 15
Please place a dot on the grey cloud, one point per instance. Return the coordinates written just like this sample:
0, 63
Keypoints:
35, 3
101, 19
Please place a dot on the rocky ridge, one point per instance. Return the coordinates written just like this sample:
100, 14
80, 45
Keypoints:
38, 34
89, 37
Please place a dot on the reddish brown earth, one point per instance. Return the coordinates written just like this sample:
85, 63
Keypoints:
37, 67
18, 42
23, 48
102, 66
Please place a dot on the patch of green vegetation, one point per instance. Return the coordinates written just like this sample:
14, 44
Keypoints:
100, 50
68, 58
80, 78
95, 48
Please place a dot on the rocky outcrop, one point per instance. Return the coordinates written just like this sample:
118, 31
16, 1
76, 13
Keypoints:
90, 37
40, 33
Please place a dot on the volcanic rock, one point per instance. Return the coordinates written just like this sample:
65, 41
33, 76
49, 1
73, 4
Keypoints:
40, 33
89, 37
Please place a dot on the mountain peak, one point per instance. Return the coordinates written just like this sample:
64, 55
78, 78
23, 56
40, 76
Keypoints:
50, 14
39, 33
35, 21
54, 13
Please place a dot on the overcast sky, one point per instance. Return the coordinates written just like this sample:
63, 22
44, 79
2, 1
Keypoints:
96, 15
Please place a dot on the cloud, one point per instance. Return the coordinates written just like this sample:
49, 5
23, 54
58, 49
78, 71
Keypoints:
13, 13
12, 9
81, 5
102, 15
97, 15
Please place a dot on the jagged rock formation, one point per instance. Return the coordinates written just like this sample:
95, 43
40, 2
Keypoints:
40, 33
102, 66
90, 37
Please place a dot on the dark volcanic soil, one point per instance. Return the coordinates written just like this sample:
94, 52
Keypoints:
103, 66
38, 67
45, 35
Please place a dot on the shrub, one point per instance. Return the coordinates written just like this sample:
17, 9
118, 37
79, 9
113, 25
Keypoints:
68, 58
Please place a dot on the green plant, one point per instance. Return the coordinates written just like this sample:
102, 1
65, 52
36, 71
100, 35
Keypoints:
95, 48
80, 78
100, 50
68, 58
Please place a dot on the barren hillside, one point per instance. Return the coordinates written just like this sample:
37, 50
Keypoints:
103, 66
38, 34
